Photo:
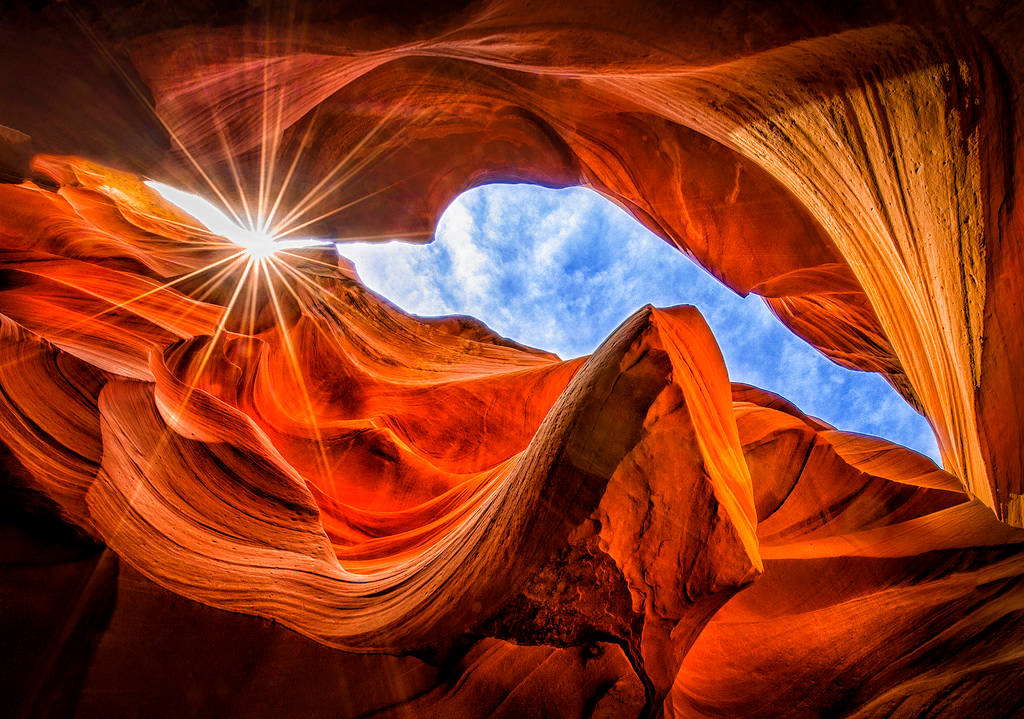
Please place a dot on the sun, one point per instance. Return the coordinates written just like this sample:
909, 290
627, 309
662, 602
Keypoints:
257, 243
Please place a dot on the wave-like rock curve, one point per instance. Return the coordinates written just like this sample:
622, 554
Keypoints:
494, 531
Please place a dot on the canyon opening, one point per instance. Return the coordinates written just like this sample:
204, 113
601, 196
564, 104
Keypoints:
492, 359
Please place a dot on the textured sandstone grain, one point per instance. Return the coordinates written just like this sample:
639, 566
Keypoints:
456, 525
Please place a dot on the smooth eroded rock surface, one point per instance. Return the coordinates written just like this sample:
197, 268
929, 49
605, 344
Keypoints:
252, 487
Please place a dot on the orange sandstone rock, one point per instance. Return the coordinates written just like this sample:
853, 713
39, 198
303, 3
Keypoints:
493, 531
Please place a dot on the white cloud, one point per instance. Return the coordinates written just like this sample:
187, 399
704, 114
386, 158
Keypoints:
560, 269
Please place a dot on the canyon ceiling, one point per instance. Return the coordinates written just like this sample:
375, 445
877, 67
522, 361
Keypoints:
239, 483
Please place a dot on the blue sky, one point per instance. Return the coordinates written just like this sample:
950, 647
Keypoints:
560, 269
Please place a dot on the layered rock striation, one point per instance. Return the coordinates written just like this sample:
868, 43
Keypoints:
437, 520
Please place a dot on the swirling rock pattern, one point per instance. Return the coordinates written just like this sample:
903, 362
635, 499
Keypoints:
407, 516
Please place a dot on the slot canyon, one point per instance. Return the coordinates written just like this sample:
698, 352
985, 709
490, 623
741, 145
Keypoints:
237, 482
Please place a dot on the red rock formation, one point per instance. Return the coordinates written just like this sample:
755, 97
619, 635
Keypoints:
469, 526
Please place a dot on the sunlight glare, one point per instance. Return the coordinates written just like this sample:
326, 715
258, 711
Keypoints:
257, 244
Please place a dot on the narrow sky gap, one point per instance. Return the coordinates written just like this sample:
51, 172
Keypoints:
560, 269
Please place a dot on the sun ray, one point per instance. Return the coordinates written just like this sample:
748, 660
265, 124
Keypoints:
311, 196
250, 309
141, 96
295, 228
317, 290
32, 353
320, 291
184, 225
262, 180
208, 352
318, 194
232, 165
291, 168
295, 30
203, 246
296, 369
220, 125
272, 164
285, 225
154, 454
208, 287
125, 303
303, 258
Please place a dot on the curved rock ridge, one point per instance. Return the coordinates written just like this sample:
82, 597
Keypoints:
451, 523
373, 513
855, 169
625, 534
893, 555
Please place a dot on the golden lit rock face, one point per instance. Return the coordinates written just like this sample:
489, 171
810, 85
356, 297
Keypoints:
455, 524
849, 178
